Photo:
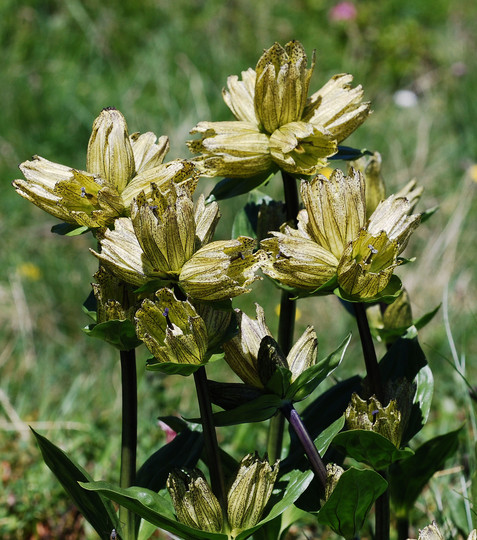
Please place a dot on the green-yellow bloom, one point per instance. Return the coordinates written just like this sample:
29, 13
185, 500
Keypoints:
168, 240
118, 167
334, 238
172, 330
242, 351
370, 415
278, 125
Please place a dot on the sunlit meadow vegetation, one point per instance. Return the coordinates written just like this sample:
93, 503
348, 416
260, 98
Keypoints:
163, 64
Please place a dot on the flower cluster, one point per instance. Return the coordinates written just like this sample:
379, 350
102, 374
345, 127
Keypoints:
278, 126
164, 281
334, 238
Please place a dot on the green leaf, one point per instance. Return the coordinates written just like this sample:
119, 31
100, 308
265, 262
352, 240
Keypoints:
172, 368
152, 286
419, 468
348, 153
242, 226
286, 492
370, 447
325, 438
97, 511
279, 382
262, 408
152, 507
307, 381
183, 451
387, 295
69, 229
428, 213
232, 187
119, 334
421, 403
355, 493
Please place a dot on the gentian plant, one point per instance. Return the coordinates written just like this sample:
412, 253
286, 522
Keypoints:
163, 281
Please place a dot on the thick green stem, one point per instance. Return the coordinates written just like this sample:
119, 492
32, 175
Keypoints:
210, 439
376, 384
128, 436
286, 321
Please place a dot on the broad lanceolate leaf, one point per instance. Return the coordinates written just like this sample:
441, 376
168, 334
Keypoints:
119, 334
96, 510
346, 510
307, 381
370, 447
69, 229
419, 468
350, 154
152, 507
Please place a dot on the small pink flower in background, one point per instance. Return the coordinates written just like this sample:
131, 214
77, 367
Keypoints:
343, 11
170, 433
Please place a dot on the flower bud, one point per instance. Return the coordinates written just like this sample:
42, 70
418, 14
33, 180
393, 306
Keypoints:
193, 500
172, 330
333, 474
110, 154
250, 492
281, 86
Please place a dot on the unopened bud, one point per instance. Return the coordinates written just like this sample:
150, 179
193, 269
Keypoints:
250, 492
194, 502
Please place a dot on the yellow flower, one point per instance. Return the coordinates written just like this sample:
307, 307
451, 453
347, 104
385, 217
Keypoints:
168, 240
161, 234
333, 238
249, 493
221, 269
172, 330
119, 166
277, 125
368, 261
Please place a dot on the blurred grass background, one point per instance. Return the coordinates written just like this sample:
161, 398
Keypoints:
163, 64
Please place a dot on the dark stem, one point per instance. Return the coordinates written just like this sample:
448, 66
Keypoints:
286, 321
369, 353
210, 439
296, 422
382, 509
402, 528
128, 436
